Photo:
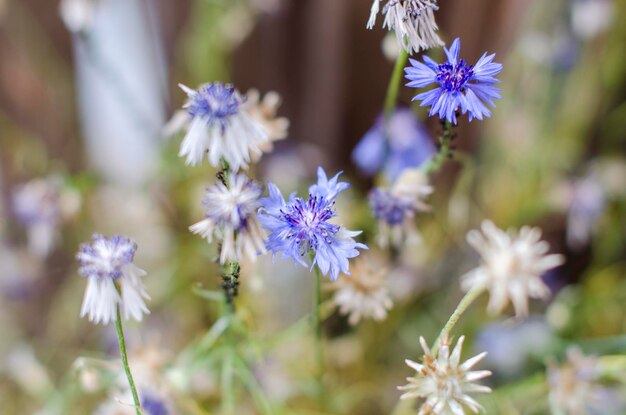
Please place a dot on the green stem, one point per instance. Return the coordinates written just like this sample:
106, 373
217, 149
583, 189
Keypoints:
317, 326
253, 387
394, 84
228, 390
230, 283
129, 376
465, 302
438, 159
228, 364
223, 175
319, 351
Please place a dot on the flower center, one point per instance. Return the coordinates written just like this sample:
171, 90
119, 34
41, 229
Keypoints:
234, 206
215, 102
454, 78
309, 224
106, 257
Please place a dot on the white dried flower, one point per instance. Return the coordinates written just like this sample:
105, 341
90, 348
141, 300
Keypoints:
412, 20
219, 128
107, 263
230, 214
512, 266
365, 293
263, 112
573, 386
444, 382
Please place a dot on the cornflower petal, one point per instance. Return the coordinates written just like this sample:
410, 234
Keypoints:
459, 86
300, 225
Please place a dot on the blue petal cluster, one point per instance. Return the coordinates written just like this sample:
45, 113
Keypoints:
299, 225
393, 146
460, 86
389, 208
215, 103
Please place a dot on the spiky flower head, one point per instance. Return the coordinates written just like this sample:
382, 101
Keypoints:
412, 20
220, 127
512, 265
112, 279
459, 86
365, 294
443, 382
298, 226
230, 215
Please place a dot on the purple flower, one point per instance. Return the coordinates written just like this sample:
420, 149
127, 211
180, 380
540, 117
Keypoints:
153, 405
392, 147
300, 225
214, 102
395, 208
460, 86
389, 208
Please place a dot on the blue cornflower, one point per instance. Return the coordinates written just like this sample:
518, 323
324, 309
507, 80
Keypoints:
300, 225
461, 86
393, 146
220, 128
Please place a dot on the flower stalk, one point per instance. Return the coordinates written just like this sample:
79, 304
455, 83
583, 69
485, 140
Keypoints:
463, 305
317, 326
435, 163
129, 376
394, 84
230, 270
230, 282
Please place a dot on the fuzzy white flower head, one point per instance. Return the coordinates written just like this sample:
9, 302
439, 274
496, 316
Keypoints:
412, 20
444, 382
395, 208
512, 266
574, 389
107, 263
365, 293
263, 112
230, 214
220, 127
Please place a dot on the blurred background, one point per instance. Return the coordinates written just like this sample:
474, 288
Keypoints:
88, 89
